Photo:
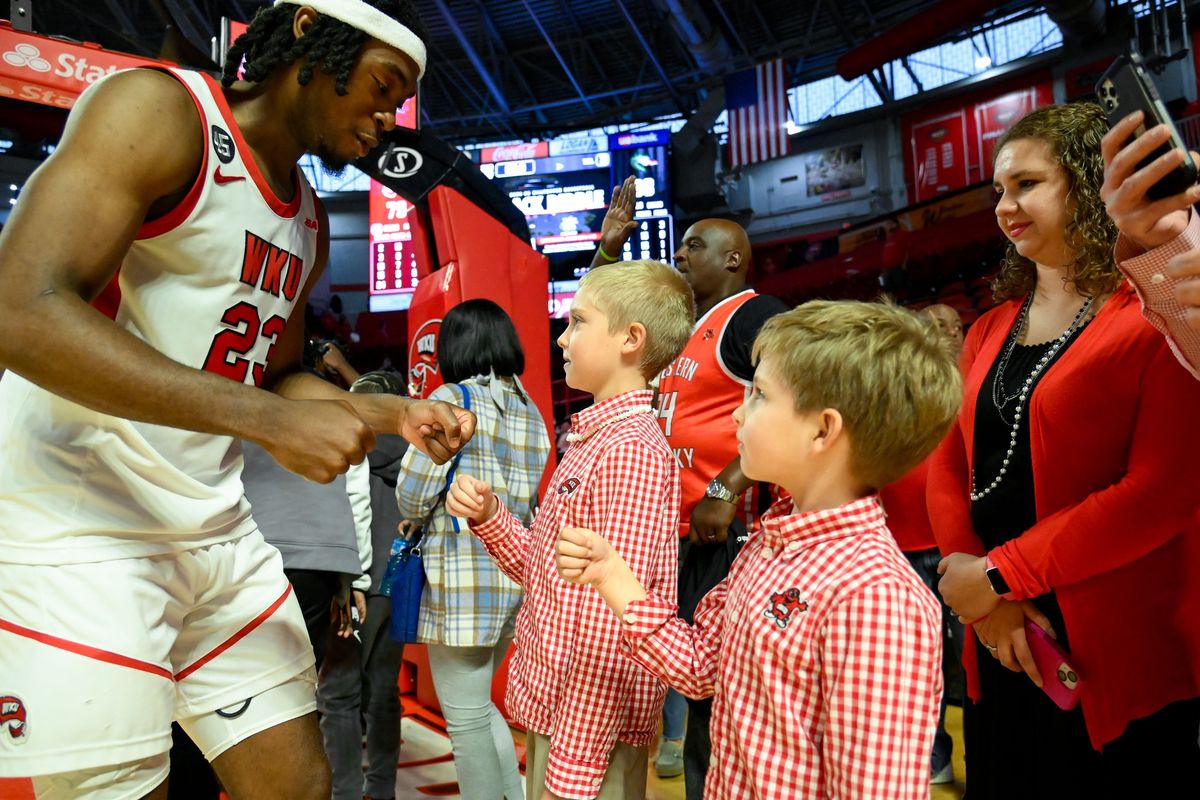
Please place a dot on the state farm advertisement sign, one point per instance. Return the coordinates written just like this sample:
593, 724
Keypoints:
38, 69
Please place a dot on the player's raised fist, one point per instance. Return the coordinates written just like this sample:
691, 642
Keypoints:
437, 428
318, 439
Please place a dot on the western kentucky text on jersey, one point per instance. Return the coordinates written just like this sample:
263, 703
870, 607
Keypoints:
683, 456
261, 259
683, 368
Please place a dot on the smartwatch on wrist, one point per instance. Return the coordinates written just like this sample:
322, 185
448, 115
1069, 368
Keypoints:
720, 491
998, 584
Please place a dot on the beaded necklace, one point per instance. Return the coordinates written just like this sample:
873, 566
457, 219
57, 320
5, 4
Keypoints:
1022, 397
999, 398
575, 438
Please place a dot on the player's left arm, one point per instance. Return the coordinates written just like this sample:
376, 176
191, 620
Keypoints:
438, 429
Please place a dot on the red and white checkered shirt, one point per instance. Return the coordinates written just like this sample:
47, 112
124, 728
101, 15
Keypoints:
822, 650
1156, 290
568, 679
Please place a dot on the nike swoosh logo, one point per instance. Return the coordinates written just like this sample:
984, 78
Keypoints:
221, 180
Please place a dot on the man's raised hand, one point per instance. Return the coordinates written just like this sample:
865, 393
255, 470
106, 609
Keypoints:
619, 224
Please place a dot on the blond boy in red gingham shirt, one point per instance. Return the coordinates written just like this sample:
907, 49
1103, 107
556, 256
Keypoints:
822, 649
591, 712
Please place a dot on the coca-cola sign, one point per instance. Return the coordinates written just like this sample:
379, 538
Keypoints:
515, 152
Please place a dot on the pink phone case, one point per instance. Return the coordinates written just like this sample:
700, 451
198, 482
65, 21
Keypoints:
1061, 681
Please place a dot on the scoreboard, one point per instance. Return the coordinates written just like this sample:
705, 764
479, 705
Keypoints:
393, 254
393, 232
563, 188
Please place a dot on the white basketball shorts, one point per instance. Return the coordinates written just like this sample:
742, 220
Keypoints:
97, 659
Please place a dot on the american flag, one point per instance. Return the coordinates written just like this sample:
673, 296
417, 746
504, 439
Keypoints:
757, 111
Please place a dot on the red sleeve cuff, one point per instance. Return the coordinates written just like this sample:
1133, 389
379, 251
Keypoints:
493, 530
1144, 267
573, 779
1127, 250
644, 617
1156, 289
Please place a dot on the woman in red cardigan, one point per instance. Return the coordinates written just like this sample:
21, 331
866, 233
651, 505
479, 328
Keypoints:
1069, 494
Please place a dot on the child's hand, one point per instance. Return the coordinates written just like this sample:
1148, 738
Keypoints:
472, 499
584, 557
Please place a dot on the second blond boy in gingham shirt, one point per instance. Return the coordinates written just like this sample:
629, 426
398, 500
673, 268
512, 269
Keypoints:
822, 649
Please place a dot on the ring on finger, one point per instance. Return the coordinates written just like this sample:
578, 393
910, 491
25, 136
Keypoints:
991, 647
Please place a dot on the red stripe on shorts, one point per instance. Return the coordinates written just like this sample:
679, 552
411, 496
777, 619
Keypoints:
232, 640
86, 650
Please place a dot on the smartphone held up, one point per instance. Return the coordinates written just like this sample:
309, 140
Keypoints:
1125, 87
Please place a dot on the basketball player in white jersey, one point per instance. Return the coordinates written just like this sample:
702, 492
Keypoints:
134, 586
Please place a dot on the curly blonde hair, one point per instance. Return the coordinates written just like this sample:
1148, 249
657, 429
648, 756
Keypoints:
1073, 131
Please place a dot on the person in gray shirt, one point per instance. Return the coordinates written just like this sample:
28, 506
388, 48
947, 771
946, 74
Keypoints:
364, 667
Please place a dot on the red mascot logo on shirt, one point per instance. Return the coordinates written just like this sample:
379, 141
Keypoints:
422, 359
783, 606
12, 720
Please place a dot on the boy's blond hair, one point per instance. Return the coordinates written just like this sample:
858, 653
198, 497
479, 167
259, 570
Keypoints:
651, 293
886, 370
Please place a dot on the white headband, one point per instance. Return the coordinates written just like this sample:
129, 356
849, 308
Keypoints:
358, 14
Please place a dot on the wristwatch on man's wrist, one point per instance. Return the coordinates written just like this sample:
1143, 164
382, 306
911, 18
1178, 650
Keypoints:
998, 584
720, 491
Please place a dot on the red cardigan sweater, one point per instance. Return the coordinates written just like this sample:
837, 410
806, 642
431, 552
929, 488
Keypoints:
1115, 440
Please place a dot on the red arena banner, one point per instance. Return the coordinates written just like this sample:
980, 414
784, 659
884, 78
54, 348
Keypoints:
52, 72
939, 152
995, 117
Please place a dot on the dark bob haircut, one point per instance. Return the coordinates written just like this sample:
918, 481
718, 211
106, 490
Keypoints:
478, 337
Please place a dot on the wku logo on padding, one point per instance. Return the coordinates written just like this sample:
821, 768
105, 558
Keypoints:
12, 720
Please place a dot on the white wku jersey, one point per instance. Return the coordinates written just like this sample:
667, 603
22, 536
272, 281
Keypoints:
210, 285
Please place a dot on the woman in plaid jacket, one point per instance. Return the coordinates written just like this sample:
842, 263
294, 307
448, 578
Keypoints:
468, 608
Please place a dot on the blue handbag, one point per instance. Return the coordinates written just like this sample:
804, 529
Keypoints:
404, 580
